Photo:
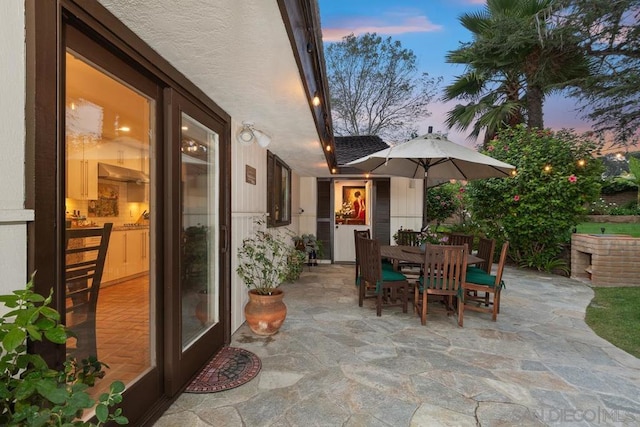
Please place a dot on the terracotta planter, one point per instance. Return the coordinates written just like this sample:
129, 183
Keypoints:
265, 313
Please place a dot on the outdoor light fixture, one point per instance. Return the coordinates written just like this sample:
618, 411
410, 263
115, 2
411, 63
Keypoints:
581, 162
248, 134
316, 99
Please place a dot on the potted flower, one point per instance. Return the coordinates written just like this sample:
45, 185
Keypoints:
263, 265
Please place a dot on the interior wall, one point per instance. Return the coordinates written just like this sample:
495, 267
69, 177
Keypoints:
13, 216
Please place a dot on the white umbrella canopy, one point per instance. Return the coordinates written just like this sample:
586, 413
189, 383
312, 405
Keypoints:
435, 158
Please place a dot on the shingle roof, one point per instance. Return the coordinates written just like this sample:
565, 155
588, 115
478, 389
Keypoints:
349, 148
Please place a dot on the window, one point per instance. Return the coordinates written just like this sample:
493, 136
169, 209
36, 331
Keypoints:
279, 191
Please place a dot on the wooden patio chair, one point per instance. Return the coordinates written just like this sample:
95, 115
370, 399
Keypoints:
388, 286
365, 234
486, 248
458, 239
409, 238
86, 251
444, 272
491, 285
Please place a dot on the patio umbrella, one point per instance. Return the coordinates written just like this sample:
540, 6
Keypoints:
434, 158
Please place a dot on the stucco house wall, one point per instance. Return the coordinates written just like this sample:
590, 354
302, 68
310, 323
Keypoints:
13, 216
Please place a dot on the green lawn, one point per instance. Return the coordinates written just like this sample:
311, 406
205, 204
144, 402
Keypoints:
609, 228
614, 314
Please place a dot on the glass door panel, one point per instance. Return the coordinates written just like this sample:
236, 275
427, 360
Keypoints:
199, 196
108, 141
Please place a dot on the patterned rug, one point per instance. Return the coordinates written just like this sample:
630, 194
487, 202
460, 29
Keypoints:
230, 367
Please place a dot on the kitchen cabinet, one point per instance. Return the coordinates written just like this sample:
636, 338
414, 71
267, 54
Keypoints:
82, 173
128, 254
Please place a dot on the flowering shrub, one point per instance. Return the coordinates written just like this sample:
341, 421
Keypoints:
536, 208
441, 203
432, 236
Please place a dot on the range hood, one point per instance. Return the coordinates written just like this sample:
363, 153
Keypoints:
118, 173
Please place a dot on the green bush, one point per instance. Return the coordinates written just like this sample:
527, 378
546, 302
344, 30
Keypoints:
618, 184
556, 177
31, 393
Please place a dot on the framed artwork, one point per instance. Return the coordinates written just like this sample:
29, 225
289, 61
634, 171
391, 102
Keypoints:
355, 198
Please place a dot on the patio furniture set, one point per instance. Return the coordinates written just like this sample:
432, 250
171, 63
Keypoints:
462, 280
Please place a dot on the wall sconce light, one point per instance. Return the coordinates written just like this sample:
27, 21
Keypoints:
248, 134
316, 99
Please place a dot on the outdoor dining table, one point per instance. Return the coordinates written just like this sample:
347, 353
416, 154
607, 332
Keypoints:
413, 254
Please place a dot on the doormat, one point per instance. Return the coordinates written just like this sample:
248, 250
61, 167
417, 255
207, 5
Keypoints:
230, 367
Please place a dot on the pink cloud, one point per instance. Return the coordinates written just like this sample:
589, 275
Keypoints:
413, 24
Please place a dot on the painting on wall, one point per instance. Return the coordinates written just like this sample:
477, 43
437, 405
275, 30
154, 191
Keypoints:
354, 204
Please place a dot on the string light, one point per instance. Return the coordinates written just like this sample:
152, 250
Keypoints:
547, 168
581, 162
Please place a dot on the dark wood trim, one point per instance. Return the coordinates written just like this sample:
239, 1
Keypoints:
273, 163
302, 22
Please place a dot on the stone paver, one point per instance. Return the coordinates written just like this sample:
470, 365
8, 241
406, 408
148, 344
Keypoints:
336, 364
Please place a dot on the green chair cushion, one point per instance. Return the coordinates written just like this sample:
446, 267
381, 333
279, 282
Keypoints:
386, 265
482, 278
474, 269
392, 276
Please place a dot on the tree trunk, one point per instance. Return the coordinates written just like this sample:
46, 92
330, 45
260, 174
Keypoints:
535, 97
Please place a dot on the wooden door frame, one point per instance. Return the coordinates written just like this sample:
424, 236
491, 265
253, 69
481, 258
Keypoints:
45, 48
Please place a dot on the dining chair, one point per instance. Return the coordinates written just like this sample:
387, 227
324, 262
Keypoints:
486, 248
365, 234
388, 286
85, 254
408, 238
457, 239
444, 272
490, 284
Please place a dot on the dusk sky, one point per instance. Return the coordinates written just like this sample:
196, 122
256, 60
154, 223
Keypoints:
430, 28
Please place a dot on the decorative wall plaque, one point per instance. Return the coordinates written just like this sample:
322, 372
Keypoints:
250, 174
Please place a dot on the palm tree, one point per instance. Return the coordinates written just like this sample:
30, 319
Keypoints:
512, 64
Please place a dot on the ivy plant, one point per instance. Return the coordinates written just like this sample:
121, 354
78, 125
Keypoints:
556, 178
33, 394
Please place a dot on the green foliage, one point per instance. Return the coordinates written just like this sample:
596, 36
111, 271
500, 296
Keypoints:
295, 265
618, 185
441, 203
32, 394
375, 87
513, 62
536, 209
609, 33
263, 258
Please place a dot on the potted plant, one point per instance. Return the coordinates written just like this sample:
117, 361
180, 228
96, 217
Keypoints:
313, 247
263, 265
31, 392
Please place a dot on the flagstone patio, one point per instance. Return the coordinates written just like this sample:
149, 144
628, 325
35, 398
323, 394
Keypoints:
336, 364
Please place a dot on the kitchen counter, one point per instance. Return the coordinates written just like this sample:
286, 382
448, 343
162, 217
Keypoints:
130, 227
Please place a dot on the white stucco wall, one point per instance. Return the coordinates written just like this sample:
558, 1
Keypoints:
249, 201
13, 216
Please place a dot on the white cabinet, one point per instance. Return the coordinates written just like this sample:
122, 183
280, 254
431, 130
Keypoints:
82, 174
128, 254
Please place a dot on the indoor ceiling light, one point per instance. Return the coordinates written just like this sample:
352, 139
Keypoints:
248, 134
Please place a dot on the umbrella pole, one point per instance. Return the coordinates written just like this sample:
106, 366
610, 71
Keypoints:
424, 200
